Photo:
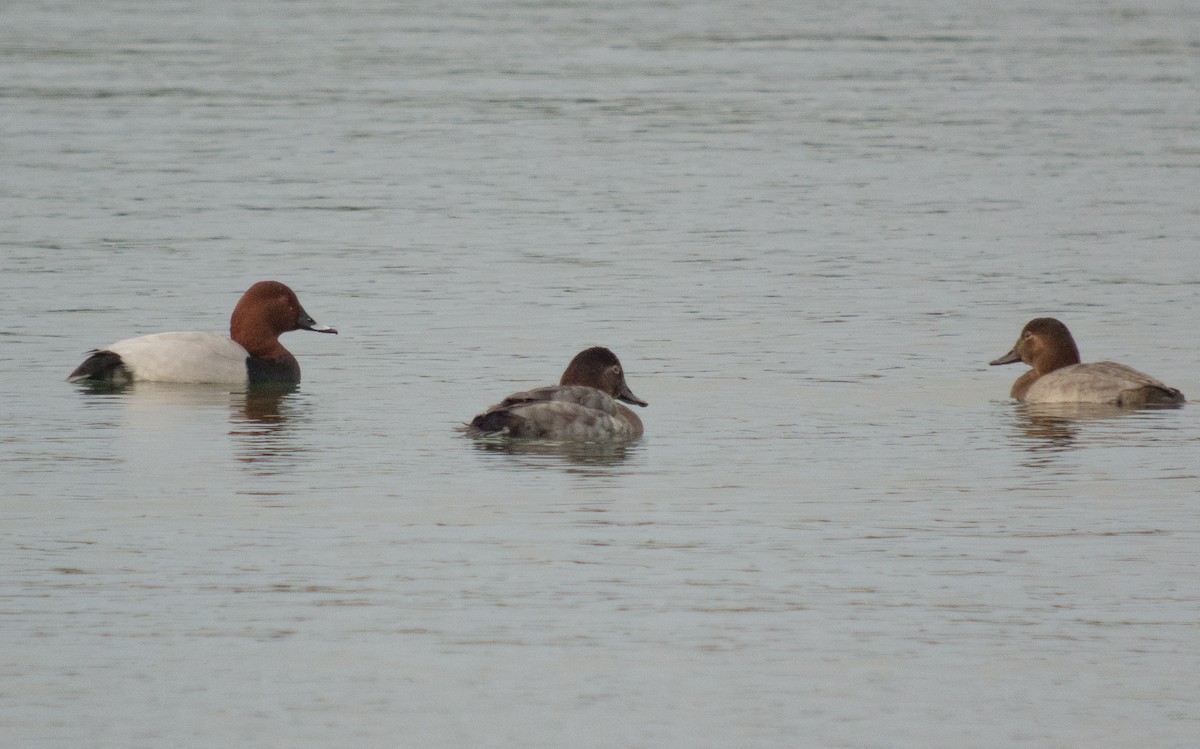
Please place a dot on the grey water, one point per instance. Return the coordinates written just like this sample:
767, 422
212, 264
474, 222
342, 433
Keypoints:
805, 227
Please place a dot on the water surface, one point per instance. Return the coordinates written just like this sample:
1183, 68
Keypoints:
804, 228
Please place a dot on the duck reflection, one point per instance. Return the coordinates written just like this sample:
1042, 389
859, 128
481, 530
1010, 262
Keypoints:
263, 405
147, 402
1048, 428
261, 424
532, 453
261, 420
1041, 431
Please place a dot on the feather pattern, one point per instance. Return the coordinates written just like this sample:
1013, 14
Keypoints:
582, 407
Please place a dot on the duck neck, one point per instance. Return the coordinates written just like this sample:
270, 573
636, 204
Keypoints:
260, 340
1063, 356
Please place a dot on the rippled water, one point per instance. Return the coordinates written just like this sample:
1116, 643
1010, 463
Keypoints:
804, 227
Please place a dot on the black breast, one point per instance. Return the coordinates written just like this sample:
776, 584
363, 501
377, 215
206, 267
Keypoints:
267, 372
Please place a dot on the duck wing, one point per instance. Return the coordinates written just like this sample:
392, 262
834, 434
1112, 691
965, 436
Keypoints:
574, 412
1102, 382
581, 395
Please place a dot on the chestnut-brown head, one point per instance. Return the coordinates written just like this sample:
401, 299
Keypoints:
266, 310
599, 368
1044, 344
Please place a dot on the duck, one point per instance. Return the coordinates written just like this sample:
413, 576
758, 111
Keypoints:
583, 406
1058, 376
250, 355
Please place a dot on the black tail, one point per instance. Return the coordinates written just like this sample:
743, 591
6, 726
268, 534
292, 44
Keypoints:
497, 421
1165, 396
102, 366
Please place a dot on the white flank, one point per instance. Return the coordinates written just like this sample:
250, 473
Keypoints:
184, 357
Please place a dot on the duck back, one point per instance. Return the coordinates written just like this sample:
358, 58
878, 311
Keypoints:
561, 412
1102, 382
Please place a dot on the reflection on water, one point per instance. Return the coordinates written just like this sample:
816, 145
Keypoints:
150, 397
264, 405
1044, 434
261, 420
826, 523
261, 423
537, 454
1057, 427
